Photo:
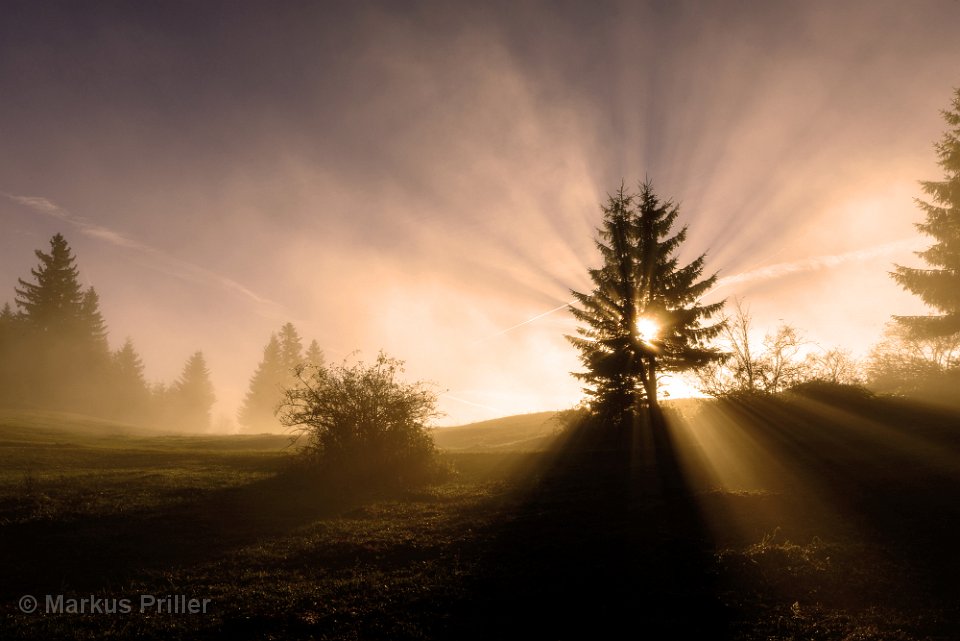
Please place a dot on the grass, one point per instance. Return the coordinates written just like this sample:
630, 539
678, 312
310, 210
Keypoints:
848, 532
525, 432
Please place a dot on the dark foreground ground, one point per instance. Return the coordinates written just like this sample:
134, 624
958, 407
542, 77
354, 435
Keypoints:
832, 517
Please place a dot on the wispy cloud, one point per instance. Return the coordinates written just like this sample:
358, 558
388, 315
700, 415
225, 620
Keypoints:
159, 260
470, 403
40, 204
527, 321
816, 263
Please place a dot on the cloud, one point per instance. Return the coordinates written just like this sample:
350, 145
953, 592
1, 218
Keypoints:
529, 320
112, 237
40, 204
815, 263
160, 261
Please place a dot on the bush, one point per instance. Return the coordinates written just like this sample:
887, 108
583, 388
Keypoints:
831, 392
361, 423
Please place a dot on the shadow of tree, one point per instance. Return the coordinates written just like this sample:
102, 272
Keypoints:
607, 538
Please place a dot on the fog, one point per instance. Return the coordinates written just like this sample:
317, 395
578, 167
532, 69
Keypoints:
427, 181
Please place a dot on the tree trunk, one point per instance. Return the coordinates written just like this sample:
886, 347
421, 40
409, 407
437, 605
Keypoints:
650, 382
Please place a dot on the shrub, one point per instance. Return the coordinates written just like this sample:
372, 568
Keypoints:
361, 422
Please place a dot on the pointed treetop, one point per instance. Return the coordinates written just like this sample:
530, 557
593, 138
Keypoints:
314, 355
291, 347
128, 362
939, 285
55, 298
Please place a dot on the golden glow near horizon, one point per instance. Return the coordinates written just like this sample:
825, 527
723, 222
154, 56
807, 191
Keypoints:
346, 198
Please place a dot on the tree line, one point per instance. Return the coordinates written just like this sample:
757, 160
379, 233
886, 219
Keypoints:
283, 357
353, 420
55, 355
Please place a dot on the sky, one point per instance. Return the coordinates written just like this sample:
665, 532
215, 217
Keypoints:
425, 178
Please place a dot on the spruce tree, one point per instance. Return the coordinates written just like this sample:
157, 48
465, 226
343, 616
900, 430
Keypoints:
281, 356
643, 315
129, 389
54, 301
91, 328
291, 350
313, 355
939, 286
63, 352
266, 389
192, 395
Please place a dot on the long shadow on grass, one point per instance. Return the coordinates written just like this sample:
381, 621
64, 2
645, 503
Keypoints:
889, 472
607, 540
87, 554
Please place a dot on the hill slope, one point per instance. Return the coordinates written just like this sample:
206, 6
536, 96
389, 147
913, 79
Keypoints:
523, 432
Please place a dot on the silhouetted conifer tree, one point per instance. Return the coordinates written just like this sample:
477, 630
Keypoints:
266, 388
54, 301
282, 355
128, 388
313, 356
291, 350
64, 357
92, 329
192, 395
939, 286
643, 316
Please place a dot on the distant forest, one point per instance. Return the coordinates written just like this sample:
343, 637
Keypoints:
55, 355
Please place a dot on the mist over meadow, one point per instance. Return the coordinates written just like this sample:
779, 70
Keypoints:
465, 321
426, 180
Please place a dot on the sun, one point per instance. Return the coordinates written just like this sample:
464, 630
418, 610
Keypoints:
647, 329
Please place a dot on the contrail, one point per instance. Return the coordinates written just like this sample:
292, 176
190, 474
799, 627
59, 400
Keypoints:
529, 320
815, 263
164, 262
466, 402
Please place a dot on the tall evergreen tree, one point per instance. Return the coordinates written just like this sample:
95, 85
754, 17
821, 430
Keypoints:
282, 354
64, 357
939, 286
266, 385
129, 389
193, 395
643, 316
90, 357
313, 355
56, 298
291, 349
91, 328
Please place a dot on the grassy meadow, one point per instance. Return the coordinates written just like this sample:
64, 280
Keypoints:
815, 517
